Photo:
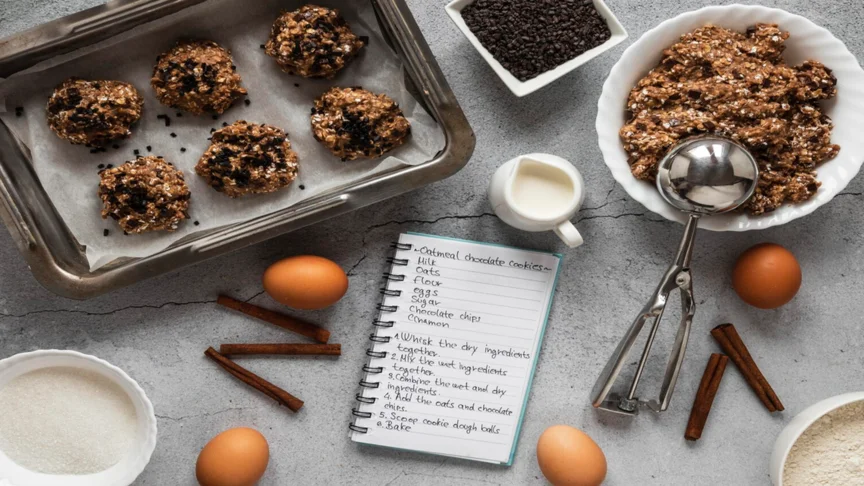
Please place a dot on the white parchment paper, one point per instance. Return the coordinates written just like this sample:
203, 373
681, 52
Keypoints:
70, 175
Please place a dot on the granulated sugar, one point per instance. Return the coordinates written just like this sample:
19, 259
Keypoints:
830, 452
65, 421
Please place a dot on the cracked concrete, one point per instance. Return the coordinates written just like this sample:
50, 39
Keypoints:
157, 331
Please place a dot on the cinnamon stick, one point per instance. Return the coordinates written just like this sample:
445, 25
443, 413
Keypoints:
282, 348
733, 345
705, 396
255, 381
284, 321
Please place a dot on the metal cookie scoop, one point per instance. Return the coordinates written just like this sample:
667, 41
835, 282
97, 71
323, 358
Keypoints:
701, 176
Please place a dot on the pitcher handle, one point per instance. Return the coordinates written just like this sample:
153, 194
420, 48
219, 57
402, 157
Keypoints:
569, 234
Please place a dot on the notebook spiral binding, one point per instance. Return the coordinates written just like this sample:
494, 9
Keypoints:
375, 338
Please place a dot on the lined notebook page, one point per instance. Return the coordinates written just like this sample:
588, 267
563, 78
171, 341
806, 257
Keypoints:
467, 323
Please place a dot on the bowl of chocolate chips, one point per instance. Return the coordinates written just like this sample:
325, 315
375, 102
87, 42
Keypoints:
531, 43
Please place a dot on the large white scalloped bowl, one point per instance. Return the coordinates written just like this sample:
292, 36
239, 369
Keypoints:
807, 41
121, 474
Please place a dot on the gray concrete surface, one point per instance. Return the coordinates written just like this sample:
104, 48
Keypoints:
811, 349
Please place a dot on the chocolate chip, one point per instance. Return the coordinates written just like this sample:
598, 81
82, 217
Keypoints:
149, 148
215, 117
115, 146
247, 102
182, 149
196, 223
179, 115
100, 166
212, 130
302, 187
262, 46
296, 85
166, 118
136, 152
173, 135
224, 124
105, 232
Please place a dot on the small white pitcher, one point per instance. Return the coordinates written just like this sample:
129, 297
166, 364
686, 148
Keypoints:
539, 192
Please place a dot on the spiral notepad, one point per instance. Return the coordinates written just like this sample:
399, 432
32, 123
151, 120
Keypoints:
454, 349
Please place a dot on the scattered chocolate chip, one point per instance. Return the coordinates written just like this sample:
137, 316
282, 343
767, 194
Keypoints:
115, 146
224, 124
166, 118
173, 135
149, 148
262, 46
364, 39
100, 166
179, 115
182, 149
247, 102
212, 130
302, 187
196, 223
109, 166
105, 232
215, 117
136, 151
19, 110
296, 85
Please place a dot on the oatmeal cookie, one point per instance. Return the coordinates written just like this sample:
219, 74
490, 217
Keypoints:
247, 158
94, 113
146, 194
737, 85
313, 42
355, 123
197, 76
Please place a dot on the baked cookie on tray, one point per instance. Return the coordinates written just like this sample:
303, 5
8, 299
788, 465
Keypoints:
313, 42
146, 194
94, 113
355, 123
197, 76
248, 158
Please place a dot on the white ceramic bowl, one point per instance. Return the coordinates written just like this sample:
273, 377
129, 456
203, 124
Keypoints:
121, 474
798, 425
807, 41
522, 88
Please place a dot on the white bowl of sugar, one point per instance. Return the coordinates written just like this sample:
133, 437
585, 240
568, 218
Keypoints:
70, 419
824, 444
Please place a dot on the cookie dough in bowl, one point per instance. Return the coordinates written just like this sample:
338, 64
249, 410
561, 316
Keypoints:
248, 158
354, 123
197, 76
94, 113
794, 196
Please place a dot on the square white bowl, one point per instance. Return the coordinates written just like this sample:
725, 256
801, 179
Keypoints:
522, 88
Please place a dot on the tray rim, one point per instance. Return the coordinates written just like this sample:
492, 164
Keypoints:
58, 262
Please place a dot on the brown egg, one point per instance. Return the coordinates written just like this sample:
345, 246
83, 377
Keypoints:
236, 457
306, 282
568, 457
766, 276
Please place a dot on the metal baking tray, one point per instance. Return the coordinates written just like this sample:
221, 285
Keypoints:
58, 261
